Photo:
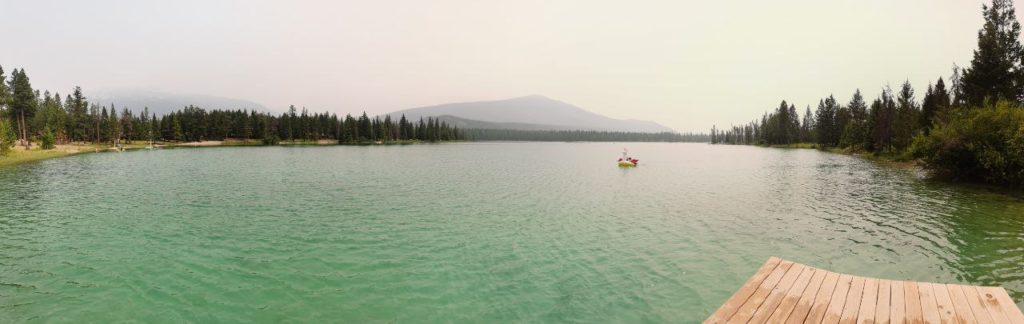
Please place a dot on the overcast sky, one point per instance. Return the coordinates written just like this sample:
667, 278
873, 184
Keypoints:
685, 64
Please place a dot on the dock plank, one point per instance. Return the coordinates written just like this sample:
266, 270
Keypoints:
897, 303
929, 308
999, 310
912, 296
882, 307
803, 306
981, 313
947, 313
964, 314
823, 299
748, 308
789, 301
771, 303
853, 301
732, 304
869, 302
835, 307
1013, 313
786, 292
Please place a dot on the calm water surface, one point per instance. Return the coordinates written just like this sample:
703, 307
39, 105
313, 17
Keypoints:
478, 232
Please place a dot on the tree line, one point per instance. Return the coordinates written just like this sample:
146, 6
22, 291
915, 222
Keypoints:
28, 116
888, 125
580, 136
973, 129
197, 124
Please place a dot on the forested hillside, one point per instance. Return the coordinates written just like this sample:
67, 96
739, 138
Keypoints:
972, 129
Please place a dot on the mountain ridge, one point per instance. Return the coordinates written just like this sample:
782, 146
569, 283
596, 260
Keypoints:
533, 112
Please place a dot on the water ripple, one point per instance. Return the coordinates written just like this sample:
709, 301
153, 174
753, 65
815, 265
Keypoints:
476, 232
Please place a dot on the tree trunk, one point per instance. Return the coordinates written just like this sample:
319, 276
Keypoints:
24, 132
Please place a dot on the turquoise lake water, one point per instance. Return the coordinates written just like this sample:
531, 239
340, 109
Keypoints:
471, 232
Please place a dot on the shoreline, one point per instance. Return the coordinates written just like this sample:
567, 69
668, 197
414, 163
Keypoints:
881, 158
20, 155
897, 162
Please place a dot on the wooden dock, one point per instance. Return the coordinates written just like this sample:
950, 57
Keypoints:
786, 292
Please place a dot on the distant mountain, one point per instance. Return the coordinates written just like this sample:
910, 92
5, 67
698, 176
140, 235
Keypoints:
470, 123
528, 113
162, 102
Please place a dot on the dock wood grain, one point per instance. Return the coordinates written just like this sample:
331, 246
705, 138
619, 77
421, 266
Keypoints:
788, 292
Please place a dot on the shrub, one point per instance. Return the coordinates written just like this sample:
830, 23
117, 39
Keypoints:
979, 144
7, 137
47, 140
271, 140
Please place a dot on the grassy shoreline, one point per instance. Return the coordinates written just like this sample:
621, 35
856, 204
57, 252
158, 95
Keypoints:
20, 155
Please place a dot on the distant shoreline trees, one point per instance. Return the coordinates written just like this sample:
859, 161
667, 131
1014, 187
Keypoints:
26, 115
973, 131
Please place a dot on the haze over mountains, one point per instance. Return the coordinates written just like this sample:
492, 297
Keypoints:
164, 102
534, 112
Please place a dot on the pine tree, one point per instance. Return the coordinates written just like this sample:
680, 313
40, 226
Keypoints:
127, 128
807, 128
943, 102
825, 126
906, 123
22, 103
855, 132
104, 124
79, 115
365, 128
996, 71
113, 126
5, 93
781, 124
792, 125
956, 87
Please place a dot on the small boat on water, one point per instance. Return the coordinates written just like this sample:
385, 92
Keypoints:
626, 161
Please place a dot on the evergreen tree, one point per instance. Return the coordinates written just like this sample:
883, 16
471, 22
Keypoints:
943, 102
996, 71
855, 133
5, 94
145, 128
792, 125
935, 104
883, 121
79, 115
104, 125
826, 125
906, 123
365, 131
781, 124
49, 116
956, 87
61, 122
22, 103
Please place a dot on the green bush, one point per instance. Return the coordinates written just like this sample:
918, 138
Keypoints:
978, 144
7, 137
271, 140
48, 140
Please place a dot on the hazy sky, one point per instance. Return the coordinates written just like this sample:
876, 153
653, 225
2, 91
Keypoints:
686, 64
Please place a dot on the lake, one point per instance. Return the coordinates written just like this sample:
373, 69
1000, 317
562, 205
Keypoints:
471, 232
